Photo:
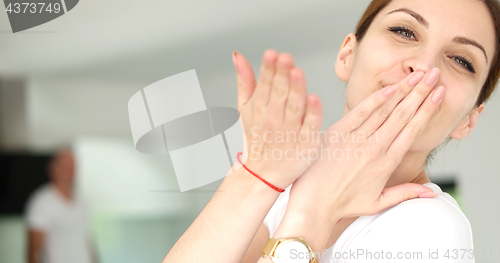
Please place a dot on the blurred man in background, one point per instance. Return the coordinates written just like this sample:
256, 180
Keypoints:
58, 229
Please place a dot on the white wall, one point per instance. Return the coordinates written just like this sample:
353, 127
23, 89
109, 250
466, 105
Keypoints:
60, 108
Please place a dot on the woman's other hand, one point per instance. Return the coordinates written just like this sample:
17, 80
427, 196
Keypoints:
279, 119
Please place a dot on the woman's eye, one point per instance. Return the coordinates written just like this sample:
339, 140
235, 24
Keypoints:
403, 31
464, 63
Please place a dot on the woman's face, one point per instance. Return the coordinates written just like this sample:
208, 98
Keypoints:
421, 35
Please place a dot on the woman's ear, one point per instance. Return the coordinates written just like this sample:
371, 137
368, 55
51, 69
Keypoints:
467, 125
343, 63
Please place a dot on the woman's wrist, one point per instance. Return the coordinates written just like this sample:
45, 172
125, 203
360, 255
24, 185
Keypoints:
242, 181
314, 227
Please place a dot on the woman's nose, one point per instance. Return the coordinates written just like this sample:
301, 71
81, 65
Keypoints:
421, 61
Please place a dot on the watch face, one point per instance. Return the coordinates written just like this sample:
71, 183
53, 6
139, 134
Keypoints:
292, 252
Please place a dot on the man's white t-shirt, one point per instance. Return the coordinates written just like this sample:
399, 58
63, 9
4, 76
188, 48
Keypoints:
416, 230
64, 223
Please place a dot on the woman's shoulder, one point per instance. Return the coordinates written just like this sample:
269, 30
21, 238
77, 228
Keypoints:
442, 211
428, 221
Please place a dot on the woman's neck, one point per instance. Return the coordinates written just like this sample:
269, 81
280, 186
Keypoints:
411, 169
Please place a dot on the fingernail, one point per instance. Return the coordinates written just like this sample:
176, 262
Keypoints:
432, 77
235, 61
416, 78
438, 94
389, 90
314, 101
428, 195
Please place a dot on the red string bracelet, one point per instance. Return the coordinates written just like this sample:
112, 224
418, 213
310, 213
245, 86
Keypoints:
262, 179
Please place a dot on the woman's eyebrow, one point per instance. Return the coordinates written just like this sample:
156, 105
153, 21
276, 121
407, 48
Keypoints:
419, 18
460, 40
466, 41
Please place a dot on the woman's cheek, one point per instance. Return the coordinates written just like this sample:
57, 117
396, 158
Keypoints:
352, 96
453, 107
457, 101
386, 52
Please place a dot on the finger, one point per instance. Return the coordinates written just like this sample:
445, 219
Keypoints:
245, 78
296, 103
396, 194
415, 127
357, 116
406, 109
312, 119
381, 114
280, 88
267, 71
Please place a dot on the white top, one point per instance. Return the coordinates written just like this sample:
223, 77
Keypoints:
416, 230
64, 223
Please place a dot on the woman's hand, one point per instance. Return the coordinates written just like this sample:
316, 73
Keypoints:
278, 130
377, 134
240, 204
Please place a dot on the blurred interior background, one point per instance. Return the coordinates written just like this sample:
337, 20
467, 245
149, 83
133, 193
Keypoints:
68, 82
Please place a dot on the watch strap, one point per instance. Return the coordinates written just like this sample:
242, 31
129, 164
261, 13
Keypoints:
270, 247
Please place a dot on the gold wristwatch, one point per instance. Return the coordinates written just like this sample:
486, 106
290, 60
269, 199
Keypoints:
288, 250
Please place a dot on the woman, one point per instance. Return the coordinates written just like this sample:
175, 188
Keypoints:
416, 72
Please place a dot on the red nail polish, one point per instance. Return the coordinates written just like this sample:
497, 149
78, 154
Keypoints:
235, 60
314, 101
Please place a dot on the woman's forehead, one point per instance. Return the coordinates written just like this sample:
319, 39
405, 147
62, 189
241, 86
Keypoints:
450, 18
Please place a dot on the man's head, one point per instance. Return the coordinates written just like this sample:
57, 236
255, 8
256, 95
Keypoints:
61, 168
